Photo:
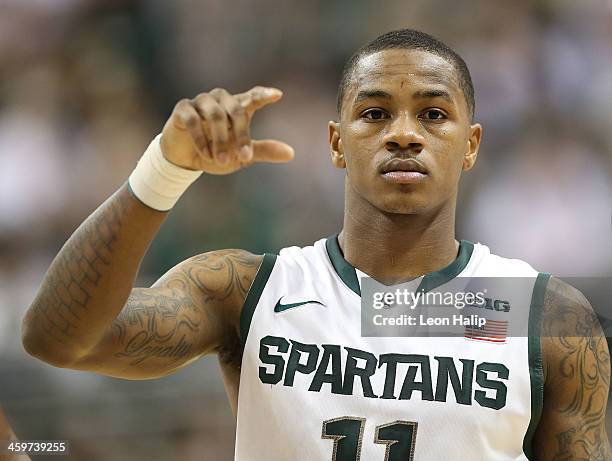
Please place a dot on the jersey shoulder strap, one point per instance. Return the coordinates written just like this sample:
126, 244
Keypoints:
293, 266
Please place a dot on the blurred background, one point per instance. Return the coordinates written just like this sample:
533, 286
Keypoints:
85, 85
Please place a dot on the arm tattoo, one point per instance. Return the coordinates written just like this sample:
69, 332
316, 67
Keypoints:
159, 320
237, 268
581, 367
234, 266
166, 322
76, 272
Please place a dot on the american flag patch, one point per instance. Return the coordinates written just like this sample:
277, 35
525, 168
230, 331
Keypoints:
493, 331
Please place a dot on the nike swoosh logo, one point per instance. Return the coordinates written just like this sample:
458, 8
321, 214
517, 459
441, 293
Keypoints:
283, 307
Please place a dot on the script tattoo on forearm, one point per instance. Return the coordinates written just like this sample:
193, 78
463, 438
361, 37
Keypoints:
76, 272
167, 324
574, 330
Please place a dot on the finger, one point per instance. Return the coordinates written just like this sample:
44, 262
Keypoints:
258, 97
186, 117
216, 121
239, 121
272, 151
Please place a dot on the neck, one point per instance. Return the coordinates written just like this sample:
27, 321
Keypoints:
393, 248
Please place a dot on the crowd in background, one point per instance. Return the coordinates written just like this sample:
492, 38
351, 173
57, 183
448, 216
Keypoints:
85, 85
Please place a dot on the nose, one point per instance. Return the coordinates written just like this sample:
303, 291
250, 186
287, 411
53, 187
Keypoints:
404, 135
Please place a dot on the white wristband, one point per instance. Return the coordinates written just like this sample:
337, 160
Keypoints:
158, 183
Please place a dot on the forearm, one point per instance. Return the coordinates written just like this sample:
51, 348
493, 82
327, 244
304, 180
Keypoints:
90, 279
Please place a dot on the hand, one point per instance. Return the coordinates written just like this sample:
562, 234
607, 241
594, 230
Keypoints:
210, 133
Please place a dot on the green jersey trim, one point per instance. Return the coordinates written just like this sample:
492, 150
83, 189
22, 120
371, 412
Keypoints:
343, 268
257, 287
348, 275
536, 373
435, 279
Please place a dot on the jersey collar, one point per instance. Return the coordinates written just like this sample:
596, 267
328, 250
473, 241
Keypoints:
432, 280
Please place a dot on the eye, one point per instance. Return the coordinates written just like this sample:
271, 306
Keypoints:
374, 114
433, 114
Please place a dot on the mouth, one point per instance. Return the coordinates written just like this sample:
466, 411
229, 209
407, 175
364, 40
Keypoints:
404, 171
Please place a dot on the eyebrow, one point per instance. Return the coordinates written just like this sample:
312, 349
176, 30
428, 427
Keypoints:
366, 94
430, 94
421, 94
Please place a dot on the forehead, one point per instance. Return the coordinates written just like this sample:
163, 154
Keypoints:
413, 67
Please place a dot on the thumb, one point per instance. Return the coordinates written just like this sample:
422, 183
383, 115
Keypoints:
272, 151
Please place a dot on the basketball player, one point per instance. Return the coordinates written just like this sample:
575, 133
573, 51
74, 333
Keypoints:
303, 382
7, 434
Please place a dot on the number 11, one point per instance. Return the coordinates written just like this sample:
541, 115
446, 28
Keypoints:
347, 434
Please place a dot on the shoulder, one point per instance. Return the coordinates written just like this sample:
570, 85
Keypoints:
223, 275
567, 312
496, 265
229, 261
222, 279
573, 344
218, 281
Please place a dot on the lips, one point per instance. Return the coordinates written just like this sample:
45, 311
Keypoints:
408, 165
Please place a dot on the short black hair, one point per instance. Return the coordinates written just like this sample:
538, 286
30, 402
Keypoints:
409, 39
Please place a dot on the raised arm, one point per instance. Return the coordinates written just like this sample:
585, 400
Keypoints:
87, 315
577, 379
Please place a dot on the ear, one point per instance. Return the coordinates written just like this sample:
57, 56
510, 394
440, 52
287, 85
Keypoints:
473, 144
335, 145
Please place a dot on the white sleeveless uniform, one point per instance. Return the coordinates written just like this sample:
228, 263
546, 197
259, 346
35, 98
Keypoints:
312, 388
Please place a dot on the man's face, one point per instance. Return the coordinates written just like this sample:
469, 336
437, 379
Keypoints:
405, 132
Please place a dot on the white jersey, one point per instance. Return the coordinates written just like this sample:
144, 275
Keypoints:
313, 388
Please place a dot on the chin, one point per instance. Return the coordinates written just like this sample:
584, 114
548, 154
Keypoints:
405, 204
